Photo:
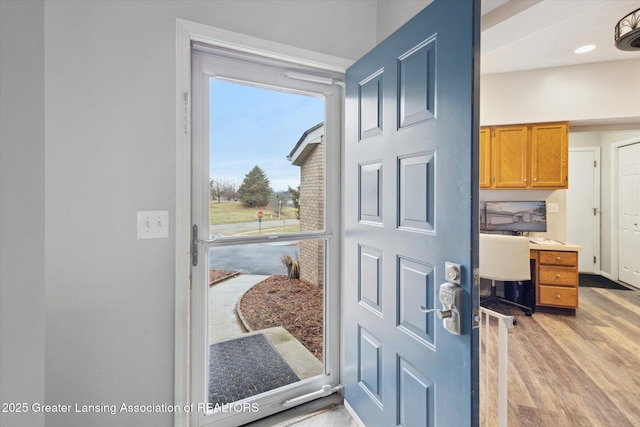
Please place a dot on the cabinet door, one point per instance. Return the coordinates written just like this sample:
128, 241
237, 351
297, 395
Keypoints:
549, 156
510, 156
485, 157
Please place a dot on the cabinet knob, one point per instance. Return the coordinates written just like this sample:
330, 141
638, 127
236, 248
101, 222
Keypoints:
557, 258
557, 276
524, 180
535, 179
557, 296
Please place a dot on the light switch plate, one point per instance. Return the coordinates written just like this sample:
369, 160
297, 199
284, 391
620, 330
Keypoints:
153, 224
552, 208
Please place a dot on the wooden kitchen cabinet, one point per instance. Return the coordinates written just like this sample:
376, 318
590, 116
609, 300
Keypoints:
549, 156
529, 156
485, 157
510, 157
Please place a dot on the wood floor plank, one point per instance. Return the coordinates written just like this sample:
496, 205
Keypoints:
575, 370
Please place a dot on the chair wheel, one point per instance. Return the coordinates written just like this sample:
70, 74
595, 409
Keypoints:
528, 313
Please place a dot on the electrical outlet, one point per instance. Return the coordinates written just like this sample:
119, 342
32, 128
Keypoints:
552, 208
153, 224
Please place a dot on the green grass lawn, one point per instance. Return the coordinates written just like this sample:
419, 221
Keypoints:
227, 212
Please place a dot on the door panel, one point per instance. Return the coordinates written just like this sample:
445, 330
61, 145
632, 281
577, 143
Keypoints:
485, 158
629, 214
549, 151
411, 200
511, 156
583, 206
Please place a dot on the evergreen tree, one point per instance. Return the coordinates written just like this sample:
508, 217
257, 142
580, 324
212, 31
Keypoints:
255, 189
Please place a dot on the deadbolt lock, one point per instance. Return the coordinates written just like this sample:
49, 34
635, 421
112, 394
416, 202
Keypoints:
452, 272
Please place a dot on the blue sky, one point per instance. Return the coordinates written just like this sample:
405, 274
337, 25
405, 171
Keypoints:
254, 126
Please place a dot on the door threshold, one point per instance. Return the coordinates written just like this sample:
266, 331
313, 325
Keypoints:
298, 415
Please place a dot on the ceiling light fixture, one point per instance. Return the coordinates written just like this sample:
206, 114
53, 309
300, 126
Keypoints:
627, 34
586, 48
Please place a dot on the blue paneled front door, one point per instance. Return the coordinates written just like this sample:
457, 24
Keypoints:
411, 191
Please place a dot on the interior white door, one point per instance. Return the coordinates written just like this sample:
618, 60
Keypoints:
629, 214
583, 206
411, 200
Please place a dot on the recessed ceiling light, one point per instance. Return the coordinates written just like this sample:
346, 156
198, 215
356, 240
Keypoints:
586, 48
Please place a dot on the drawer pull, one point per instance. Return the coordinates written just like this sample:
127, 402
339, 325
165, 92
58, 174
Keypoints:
557, 258
557, 296
557, 276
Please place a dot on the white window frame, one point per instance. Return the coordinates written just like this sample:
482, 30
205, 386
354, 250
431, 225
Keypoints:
188, 32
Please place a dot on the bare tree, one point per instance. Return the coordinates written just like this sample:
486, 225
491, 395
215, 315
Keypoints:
221, 187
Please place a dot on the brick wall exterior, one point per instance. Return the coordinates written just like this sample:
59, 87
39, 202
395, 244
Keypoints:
312, 214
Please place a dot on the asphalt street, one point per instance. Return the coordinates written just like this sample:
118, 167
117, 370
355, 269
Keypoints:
252, 259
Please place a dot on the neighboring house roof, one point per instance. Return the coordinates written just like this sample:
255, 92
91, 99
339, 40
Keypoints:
307, 141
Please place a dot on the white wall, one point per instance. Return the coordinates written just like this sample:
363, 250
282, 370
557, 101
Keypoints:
22, 209
110, 150
597, 91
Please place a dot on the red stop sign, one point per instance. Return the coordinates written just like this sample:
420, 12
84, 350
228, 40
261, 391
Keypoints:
260, 214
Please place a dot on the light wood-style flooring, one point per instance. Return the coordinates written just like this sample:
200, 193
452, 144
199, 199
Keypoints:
577, 370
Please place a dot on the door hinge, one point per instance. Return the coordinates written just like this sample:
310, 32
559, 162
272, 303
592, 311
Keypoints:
187, 113
595, 211
194, 245
594, 259
595, 163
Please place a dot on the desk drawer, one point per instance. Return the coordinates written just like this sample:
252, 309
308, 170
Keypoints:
558, 296
558, 276
559, 258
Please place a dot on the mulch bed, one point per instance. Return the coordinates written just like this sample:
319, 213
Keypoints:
293, 304
216, 276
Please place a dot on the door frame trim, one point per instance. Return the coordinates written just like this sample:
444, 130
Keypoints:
597, 201
188, 32
615, 265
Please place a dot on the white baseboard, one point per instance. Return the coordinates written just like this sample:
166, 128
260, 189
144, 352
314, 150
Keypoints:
353, 414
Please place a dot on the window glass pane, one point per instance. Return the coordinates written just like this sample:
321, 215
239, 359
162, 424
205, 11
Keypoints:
265, 317
267, 161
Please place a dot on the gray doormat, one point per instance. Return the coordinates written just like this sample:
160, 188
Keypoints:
597, 281
244, 367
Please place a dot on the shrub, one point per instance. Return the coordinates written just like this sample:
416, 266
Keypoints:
293, 265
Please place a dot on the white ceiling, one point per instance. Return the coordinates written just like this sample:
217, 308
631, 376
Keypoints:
527, 34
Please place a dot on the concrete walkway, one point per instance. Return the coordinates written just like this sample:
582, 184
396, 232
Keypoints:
223, 297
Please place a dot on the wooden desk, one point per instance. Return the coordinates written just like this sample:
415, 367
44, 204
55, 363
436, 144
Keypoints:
554, 272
